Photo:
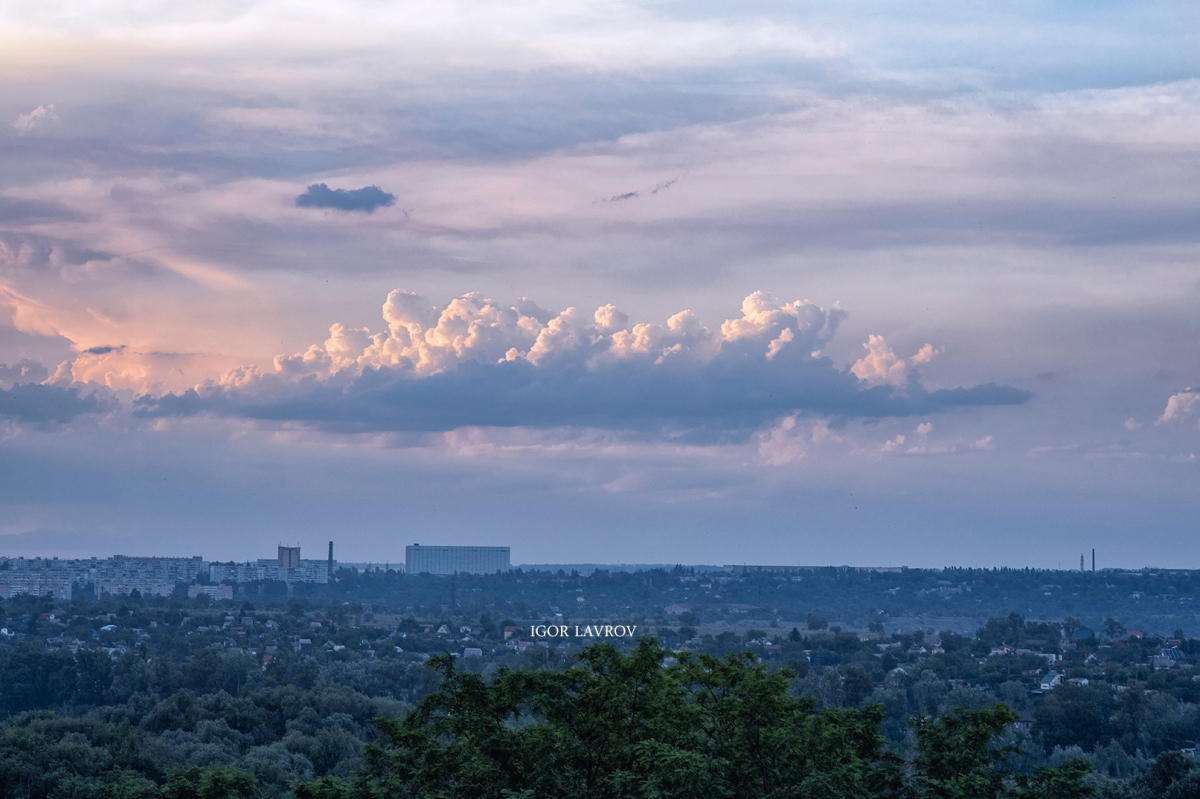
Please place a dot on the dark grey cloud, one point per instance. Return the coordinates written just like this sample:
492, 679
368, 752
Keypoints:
103, 349
23, 371
38, 404
368, 198
652, 190
723, 399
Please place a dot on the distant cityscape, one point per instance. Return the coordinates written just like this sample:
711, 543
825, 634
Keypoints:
155, 576
164, 576
119, 575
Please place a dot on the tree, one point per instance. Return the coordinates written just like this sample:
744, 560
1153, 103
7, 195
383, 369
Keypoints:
1168, 769
1065, 781
958, 756
1075, 715
212, 782
325, 788
856, 685
93, 676
623, 725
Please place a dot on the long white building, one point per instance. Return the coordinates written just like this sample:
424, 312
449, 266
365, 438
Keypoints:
456, 560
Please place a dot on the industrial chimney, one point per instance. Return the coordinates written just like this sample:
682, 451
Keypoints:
331, 561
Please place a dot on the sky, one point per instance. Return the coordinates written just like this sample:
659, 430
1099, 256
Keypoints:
613, 282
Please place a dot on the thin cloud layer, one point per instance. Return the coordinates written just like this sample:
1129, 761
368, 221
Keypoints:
367, 199
477, 363
26, 123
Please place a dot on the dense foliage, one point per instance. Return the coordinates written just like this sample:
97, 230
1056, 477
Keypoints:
626, 726
274, 695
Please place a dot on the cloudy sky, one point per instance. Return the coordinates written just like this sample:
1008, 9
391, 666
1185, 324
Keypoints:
701, 282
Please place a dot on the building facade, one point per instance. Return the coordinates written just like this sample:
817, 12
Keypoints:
306, 571
456, 560
119, 574
289, 557
214, 592
36, 583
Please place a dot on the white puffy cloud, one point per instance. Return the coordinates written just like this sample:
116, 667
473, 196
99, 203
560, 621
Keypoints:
764, 314
478, 362
609, 318
427, 340
881, 365
785, 337
927, 353
568, 331
1180, 405
643, 338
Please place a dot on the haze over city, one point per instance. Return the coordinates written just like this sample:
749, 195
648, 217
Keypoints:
602, 281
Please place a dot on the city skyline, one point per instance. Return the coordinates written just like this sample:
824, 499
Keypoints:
602, 281
382, 560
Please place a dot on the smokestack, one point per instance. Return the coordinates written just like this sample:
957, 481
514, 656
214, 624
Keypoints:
1093, 560
331, 561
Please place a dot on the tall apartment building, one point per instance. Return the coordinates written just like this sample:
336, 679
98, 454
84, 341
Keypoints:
289, 557
147, 575
456, 560
57, 583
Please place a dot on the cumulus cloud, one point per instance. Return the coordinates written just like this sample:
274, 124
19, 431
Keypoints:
27, 122
881, 366
480, 363
38, 404
1180, 405
367, 199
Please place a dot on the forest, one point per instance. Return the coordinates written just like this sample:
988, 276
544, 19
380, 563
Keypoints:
318, 696
611, 725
